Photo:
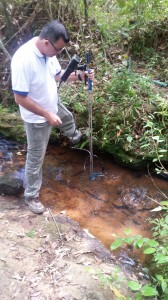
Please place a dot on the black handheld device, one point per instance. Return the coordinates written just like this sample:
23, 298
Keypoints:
70, 68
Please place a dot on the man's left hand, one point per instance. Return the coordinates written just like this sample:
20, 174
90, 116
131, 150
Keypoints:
90, 74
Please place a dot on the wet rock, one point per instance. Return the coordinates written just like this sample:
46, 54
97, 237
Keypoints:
6, 148
8, 144
10, 186
133, 197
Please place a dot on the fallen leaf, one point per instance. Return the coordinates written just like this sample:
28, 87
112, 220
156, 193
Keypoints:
19, 153
35, 294
158, 208
63, 212
89, 234
17, 276
80, 261
117, 293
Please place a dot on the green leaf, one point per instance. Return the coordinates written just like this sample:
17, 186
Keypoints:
145, 145
83, 144
121, 3
149, 124
152, 243
166, 219
164, 203
129, 138
138, 297
127, 231
164, 286
148, 291
30, 234
116, 244
163, 150
162, 259
134, 286
128, 240
164, 232
149, 251
157, 137
139, 243
159, 277
146, 240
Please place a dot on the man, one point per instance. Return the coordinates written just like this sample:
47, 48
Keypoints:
34, 71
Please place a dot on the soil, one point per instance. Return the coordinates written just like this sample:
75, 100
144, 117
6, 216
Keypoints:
50, 257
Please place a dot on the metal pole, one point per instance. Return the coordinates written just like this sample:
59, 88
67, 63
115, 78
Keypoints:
90, 98
90, 132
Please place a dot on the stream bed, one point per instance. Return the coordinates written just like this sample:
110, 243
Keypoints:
104, 207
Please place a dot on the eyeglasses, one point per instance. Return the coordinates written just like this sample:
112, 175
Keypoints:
56, 49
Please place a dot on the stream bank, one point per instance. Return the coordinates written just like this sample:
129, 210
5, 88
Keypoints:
43, 260
120, 199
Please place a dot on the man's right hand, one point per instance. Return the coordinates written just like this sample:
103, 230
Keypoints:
53, 119
32, 106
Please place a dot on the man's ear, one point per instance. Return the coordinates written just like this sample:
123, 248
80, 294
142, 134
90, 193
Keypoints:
46, 42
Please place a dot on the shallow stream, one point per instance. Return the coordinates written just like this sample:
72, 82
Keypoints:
120, 199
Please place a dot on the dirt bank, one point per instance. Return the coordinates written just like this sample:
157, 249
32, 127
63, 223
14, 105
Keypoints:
41, 259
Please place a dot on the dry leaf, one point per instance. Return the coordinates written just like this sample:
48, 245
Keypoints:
19, 153
17, 276
117, 293
89, 234
35, 294
158, 208
63, 212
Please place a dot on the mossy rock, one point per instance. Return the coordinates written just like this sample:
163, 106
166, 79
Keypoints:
125, 158
11, 125
130, 159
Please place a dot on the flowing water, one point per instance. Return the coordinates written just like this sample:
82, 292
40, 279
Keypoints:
120, 199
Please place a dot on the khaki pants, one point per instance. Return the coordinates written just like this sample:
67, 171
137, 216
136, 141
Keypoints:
68, 126
37, 141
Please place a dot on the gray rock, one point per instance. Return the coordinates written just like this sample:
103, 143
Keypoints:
9, 185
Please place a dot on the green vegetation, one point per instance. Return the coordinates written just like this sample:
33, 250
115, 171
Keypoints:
128, 45
158, 248
11, 124
130, 117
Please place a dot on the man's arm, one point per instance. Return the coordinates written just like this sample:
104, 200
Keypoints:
30, 105
74, 76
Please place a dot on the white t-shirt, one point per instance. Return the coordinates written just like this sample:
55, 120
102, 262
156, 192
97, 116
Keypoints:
33, 75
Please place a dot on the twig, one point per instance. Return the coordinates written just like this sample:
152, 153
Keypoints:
152, 199
50, 9
67, 53
106, 2
105, 55
26, 24
4, 49
164, 195
55, 224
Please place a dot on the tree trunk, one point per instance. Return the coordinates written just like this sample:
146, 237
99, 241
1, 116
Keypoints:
10, 30
86, 10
